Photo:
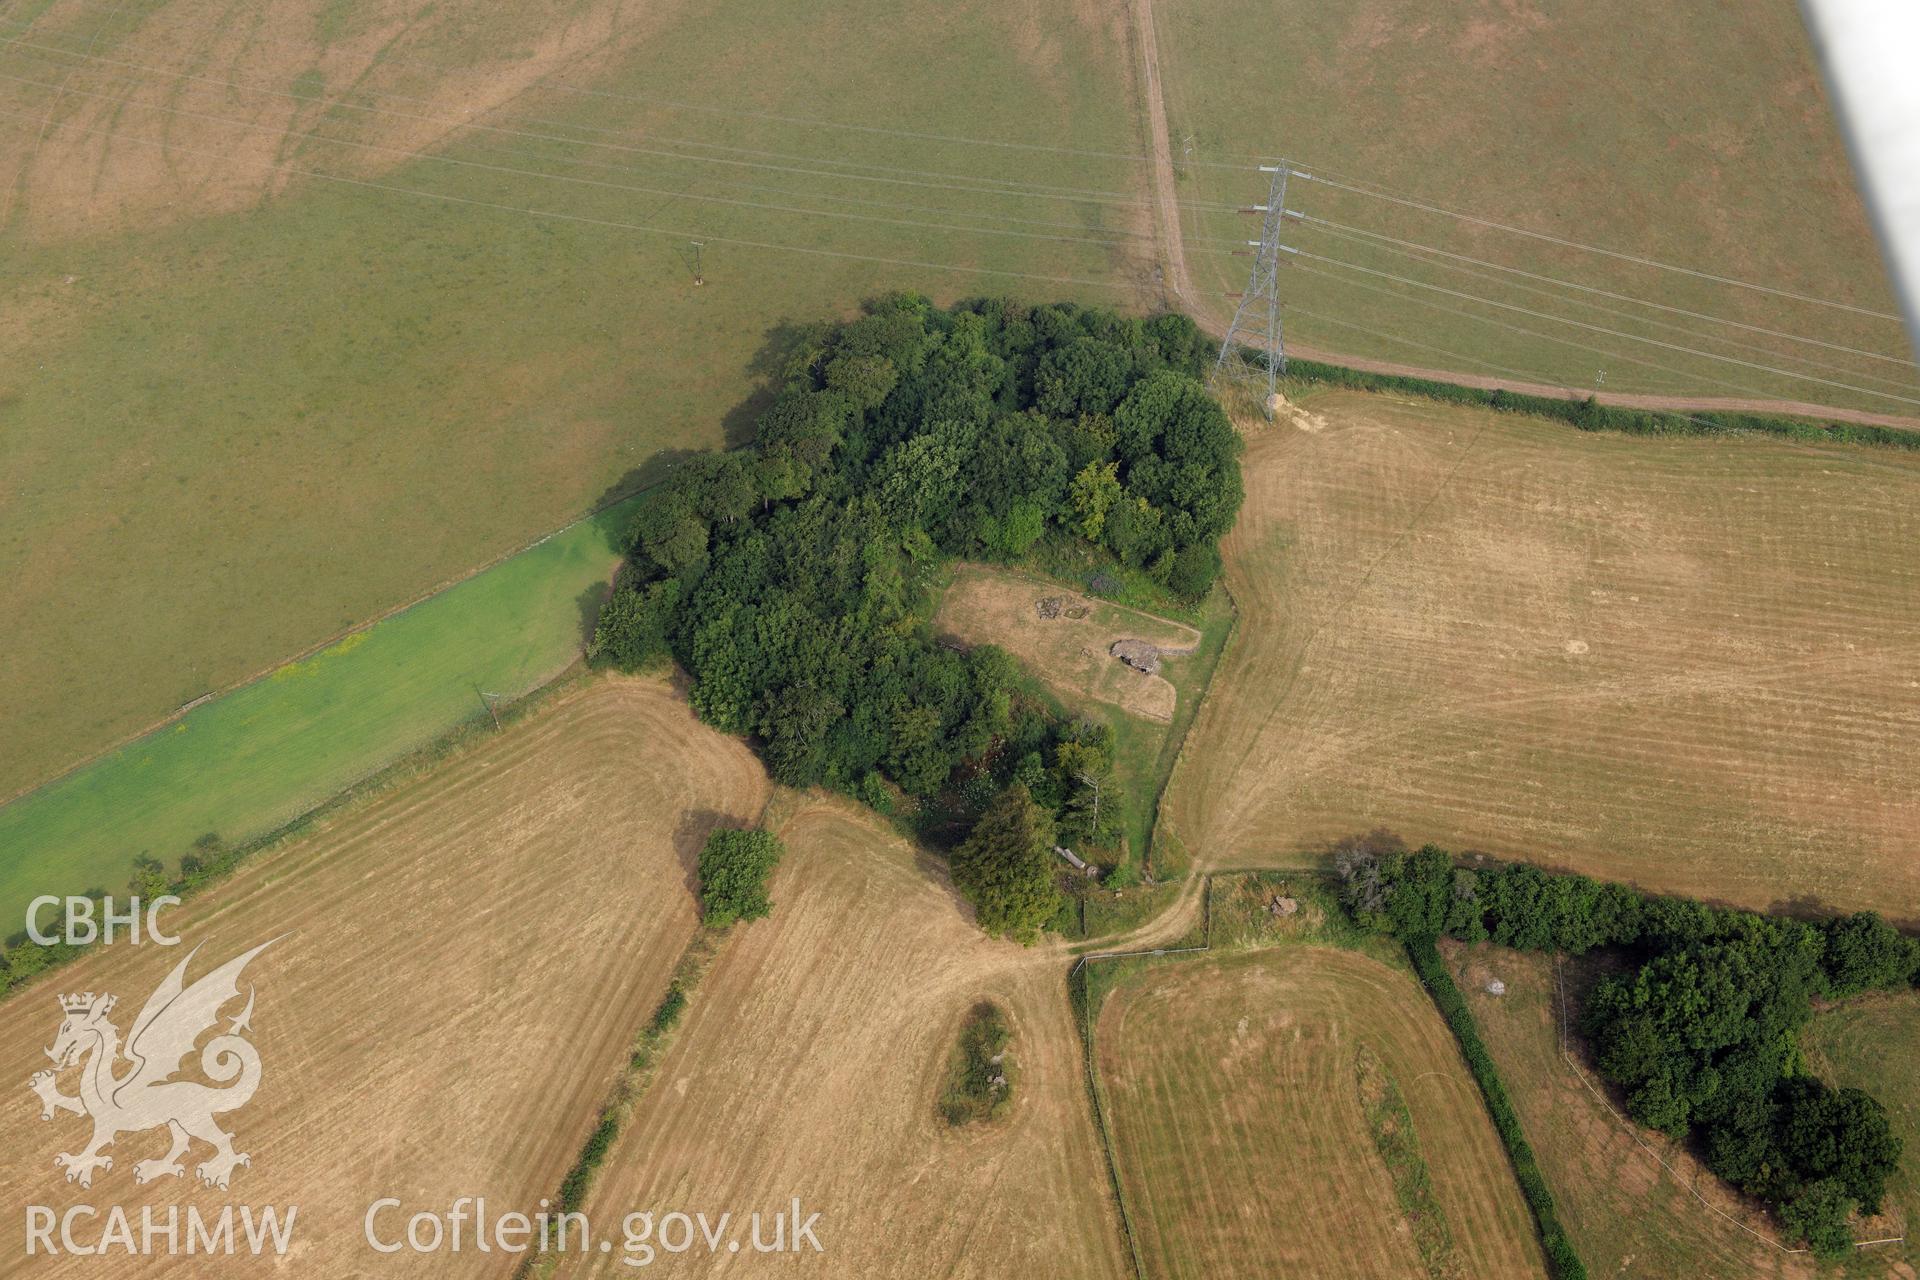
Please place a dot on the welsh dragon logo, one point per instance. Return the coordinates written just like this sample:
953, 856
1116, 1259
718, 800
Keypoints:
144, 1095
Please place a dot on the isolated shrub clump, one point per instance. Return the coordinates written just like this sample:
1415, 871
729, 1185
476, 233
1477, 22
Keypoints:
734, 869
672, 1005
979, 1080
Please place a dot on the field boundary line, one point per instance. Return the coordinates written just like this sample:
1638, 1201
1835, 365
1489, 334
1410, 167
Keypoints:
648, 1044
1159, 824
1633, 1131
409, 765
266, 672
1093, 1074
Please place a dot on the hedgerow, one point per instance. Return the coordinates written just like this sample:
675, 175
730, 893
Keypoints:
1702, 1036
1590, 415
1561, 1258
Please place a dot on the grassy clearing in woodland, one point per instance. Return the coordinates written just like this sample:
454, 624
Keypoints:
1689, 664
1245, 1147
460, 967
1070, 651
1066, 638
244, 408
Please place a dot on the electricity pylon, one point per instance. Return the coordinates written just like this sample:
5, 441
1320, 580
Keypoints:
1256, 321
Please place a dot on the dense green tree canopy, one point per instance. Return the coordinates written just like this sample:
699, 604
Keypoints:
1006, 867
734, 869
1702, 1036
792, 579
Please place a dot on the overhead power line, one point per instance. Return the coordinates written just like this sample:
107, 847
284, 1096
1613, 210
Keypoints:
803, 211
677, 233
629, 168
1612, 333
673, 104
1523, 374
1313, 173
1801, 362
511, 170
1402, 296
1004, 187
1422, 346
968, 182
1590, 248
1902, 361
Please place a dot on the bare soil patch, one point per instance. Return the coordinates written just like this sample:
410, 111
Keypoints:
1067, 639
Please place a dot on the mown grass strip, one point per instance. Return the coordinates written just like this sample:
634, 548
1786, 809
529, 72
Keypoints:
257, 758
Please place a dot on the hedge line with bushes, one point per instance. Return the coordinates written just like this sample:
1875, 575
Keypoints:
1590, 415
1562, 1260
1702, 1036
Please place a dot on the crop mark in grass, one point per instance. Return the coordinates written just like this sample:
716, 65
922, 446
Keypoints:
1390, 1124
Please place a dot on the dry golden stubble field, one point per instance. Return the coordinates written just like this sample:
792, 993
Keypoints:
1243, 1144
464, 962
1690, 664
808, 1065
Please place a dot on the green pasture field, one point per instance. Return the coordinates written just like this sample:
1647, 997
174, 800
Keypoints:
258, 757
236, 420
1696, 134
1869, 1043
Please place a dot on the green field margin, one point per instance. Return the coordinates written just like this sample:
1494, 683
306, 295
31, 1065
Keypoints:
261, 755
